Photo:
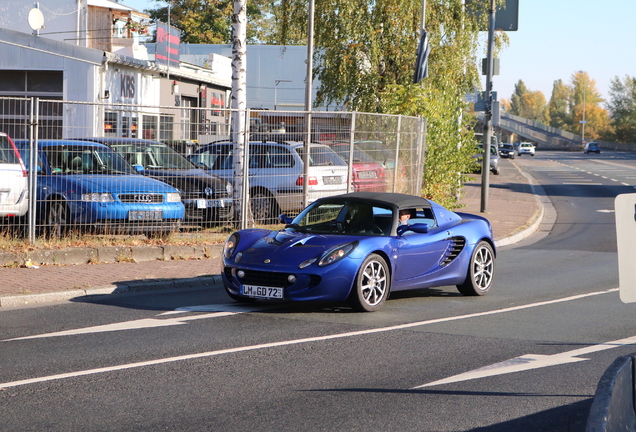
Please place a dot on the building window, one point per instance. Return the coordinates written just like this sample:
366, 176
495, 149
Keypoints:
14, 114
149, 125
110, 123
166, 127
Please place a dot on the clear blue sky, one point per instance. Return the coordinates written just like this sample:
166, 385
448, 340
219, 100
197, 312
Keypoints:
555, 39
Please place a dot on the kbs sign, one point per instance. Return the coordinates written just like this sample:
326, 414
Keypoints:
127, 86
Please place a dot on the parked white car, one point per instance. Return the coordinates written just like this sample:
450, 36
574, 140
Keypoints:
525, 148
276, 174
14, 189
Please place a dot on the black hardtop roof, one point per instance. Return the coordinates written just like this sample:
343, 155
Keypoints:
398, 200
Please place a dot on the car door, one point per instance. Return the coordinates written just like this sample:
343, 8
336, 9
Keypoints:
418, 254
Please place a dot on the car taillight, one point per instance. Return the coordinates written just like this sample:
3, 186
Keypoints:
313, 181
17, 155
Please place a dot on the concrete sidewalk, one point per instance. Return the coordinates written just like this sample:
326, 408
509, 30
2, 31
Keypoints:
514, 211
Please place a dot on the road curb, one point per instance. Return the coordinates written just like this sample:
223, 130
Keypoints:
107, 290
543, 219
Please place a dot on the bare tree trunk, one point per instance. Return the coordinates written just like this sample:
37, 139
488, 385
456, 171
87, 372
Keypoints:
239, 124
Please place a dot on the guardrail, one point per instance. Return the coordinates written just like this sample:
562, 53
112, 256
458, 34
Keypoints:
552, 137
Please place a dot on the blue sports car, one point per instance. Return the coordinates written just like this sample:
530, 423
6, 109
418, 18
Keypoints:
359, 247
87, 185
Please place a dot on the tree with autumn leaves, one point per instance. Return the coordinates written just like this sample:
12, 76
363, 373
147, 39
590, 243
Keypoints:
364, 58
569, 105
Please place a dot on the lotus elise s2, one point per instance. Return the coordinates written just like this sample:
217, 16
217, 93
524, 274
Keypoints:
358, 247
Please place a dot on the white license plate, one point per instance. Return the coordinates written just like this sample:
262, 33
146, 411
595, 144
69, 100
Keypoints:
262, 292
367, 174
332, 180
144, 215
202, 203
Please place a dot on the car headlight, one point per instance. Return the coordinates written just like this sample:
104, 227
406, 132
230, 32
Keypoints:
98, 197
173, 197
229, 189
337, 253
230, 245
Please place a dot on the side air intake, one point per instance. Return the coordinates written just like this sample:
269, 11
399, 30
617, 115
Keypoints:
455, 246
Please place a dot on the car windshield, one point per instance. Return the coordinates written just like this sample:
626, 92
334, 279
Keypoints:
7, 152
322, 156
493, 149
344, 217
358, 155
153, 156
79, 159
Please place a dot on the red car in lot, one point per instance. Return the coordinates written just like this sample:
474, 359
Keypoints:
368, 175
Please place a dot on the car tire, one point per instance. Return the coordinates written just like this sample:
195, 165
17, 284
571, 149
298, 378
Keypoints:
495, 171
372, 285
264, 207
481, 271
57, 219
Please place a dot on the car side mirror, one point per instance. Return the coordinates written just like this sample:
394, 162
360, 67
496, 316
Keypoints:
139, 168
285, 219
420, 228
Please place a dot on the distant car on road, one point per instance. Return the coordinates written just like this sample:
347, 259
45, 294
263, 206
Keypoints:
87, 186
506, 150
525, 148
14, 187
592, 147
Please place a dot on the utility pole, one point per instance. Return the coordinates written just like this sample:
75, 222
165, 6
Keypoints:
485, 169
308, 102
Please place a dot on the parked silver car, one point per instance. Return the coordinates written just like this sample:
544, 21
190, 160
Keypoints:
495, 160
276, 174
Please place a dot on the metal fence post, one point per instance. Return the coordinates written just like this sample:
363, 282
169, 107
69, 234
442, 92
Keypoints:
421, 152
351, 146
33, 165
397, 154
246, 218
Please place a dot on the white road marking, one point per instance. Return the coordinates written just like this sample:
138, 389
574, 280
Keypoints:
127, 325
297, 341
531, 361
606, 211
582, 183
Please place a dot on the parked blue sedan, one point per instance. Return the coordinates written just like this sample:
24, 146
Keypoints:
87, 185
360, 247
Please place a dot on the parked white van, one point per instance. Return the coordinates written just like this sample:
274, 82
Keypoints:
13, 180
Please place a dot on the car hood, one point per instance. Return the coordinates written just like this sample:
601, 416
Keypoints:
118, 183
285, 249
189, 180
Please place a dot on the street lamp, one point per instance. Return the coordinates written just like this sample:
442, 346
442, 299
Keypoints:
276, 90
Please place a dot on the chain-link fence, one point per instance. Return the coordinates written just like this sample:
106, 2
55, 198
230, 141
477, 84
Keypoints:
154, 170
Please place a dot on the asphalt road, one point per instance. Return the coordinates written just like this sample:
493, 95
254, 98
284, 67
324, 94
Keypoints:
527, 357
